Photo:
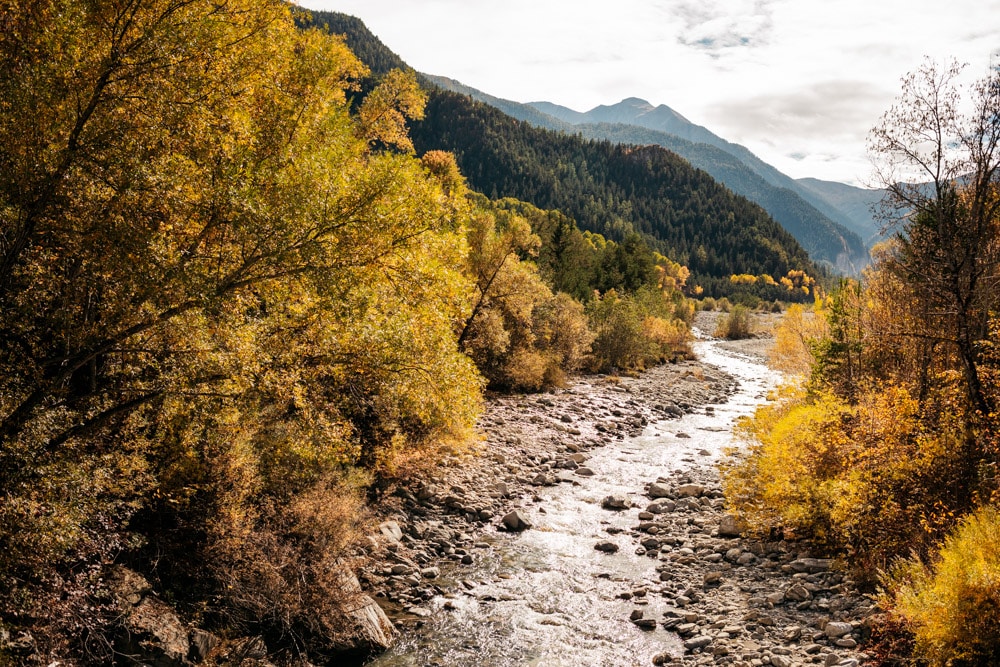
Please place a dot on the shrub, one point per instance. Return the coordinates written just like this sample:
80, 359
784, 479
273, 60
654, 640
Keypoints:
794, 339
953, 604
736, 325
285, 578
877, 479
787, 477
619, 342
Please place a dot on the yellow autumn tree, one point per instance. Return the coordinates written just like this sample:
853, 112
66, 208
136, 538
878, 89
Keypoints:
223, 309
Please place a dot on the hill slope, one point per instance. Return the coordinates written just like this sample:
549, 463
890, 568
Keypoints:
634, 121
857, 204
609, 189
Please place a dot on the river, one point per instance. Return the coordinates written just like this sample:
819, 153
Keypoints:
546, 596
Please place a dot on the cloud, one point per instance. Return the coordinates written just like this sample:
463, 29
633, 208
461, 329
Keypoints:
717, 25
827, 109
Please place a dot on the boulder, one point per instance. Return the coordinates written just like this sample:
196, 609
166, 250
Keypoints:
391, 531
606, 547
371, 630
150, 631
515, 521
690, 490
202, 644
697, 642
837, 629
616, 503
798, 593
811, 565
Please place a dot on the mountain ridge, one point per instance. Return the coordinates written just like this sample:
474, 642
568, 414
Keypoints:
612, 190
636, 121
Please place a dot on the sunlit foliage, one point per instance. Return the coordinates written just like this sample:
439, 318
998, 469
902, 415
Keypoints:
795, 338
217, 299
953, 604
893, 440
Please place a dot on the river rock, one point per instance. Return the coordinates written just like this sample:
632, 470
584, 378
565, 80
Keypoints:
700, 641
712, 578
837, 629
797, 593
690, 490
370, 629
391, 531
729, 526
616, 503
150, 630
606, 546
515, 521
659, 490
661, 506
811, 565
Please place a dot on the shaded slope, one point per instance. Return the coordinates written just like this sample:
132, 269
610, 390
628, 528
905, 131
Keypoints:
824, 233
612, 190
859, 205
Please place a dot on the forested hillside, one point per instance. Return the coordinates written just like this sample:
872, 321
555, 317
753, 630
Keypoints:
635, 121
612, 190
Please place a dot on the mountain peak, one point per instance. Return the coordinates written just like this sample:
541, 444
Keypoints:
636, 102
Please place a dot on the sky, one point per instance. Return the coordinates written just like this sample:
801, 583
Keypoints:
798, 82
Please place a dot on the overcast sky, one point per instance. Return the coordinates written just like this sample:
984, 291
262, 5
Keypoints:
799, 82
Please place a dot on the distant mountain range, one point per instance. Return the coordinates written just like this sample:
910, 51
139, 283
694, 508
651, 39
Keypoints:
615, 176
833, 221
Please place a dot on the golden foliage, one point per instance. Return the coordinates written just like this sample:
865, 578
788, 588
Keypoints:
794, 338
878, 478
217, 298
953, 604
520, 334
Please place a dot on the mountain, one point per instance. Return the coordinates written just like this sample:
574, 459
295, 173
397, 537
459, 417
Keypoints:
524, 112
859, 205
640, 113
826, 233
611, 189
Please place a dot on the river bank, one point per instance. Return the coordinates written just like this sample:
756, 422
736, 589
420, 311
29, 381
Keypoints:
627, 557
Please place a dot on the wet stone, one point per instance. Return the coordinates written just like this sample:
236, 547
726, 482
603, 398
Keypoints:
606, 547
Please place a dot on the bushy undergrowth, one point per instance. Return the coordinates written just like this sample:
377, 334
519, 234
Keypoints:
736, 325
635, 331
876, 479
952, 605
795, 337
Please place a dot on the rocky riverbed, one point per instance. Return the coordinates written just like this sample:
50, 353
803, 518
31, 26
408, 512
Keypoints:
677, 583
